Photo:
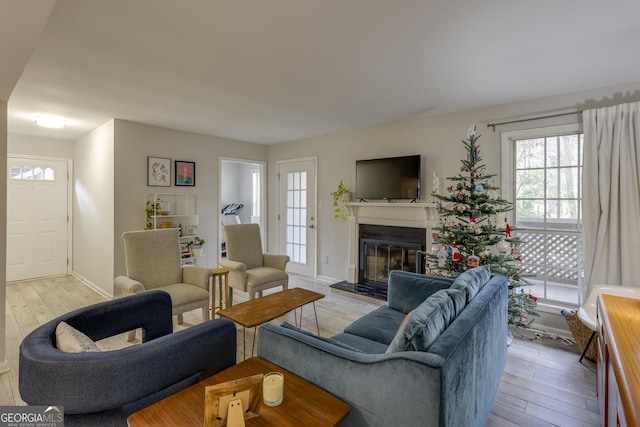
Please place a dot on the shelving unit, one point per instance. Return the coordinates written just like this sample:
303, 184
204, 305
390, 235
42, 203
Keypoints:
177, 210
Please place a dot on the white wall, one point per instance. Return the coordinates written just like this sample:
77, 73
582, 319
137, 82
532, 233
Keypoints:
237, 186
230, 183
134, 142
3, 233
437, 139
40, 146
93, 208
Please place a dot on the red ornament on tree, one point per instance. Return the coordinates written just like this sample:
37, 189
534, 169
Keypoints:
455, 255
508, 230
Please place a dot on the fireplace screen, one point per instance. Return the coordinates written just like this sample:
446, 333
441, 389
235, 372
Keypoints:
379, 258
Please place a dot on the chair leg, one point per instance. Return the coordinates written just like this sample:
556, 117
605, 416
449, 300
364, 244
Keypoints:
593, 334
131, 335
230, 301
180, 319
205, 313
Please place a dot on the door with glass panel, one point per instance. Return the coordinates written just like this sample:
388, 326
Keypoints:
296, 215
37, 212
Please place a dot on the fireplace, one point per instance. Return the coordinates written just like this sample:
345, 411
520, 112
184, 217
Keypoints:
386, 248
392, 232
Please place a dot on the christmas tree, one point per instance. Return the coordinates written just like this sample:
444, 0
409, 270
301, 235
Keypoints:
473, 230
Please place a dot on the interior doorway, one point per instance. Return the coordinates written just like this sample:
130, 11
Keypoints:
38, 226
241, 196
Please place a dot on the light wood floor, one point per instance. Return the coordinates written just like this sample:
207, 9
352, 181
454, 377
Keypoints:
543, 383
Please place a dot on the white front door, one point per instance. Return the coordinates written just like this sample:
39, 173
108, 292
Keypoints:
296, 215
37, 204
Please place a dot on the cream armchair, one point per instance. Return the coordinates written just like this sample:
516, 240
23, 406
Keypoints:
154, 262
251, 270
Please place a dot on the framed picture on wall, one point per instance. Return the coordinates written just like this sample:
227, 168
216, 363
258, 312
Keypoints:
185, 173
158, 172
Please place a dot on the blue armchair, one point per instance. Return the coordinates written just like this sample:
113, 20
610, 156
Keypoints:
104, 388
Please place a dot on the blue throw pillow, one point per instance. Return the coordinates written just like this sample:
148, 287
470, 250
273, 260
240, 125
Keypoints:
472, 280
428, 321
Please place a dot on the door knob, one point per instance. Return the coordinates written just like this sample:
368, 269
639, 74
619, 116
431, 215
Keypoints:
311, 226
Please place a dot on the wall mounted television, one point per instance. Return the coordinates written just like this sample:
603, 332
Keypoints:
388, 178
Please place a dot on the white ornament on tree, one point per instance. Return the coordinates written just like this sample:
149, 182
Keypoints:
503, 246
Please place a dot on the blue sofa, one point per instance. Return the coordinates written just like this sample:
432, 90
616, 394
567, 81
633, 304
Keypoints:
441, 367
103, 388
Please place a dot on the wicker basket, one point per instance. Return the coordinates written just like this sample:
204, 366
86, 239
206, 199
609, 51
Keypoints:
581, 334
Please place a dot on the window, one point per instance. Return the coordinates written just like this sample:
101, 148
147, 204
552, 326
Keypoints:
543, 178
297, 216
36, 173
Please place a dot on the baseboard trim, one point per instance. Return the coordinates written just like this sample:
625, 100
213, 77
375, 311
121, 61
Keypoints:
327, 279
92, 286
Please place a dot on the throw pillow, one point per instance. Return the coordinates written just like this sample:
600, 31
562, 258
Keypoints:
428, 321
71, 340
404, 321
472, 280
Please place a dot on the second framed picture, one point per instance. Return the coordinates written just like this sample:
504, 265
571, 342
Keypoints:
185, 173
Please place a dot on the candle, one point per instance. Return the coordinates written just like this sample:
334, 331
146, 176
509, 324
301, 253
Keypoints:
273, 388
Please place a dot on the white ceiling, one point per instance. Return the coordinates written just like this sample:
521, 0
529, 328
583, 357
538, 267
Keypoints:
281, 70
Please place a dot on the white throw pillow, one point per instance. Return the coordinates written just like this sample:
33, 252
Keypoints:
71, 340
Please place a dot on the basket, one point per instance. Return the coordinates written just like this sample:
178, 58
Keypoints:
581, 334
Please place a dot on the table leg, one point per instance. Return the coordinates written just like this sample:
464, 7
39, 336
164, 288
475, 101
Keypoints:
316, 314
300, 318
244, 343
255, 332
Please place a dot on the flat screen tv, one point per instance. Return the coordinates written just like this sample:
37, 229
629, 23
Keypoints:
388, 178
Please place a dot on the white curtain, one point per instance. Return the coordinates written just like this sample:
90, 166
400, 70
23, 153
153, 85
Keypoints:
611, 195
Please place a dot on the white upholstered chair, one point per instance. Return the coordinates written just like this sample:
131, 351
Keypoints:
154, 262
251, 270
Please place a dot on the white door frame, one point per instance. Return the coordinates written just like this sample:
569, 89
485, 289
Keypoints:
279, 163
69, 199
263, 199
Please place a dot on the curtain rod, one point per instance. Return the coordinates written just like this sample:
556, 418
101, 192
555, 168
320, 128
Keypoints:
493, 125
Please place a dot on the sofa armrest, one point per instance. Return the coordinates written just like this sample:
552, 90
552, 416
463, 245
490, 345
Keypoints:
150, 311
369, 383
93, 382
275, 261
197, 276
128, 286
237, 273
232, 265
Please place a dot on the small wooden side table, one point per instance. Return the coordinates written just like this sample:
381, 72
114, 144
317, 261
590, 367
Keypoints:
219, 280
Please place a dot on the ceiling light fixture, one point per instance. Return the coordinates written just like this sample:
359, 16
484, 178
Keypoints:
50, 122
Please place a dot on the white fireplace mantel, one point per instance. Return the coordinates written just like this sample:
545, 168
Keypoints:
418, 215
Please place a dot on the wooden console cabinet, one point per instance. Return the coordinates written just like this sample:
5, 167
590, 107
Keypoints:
619, 360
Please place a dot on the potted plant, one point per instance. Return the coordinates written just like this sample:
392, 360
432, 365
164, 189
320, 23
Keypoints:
151, 210
340, 196
196, 246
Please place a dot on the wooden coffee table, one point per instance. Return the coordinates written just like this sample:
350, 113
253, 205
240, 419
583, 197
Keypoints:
304, 404
255, 312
